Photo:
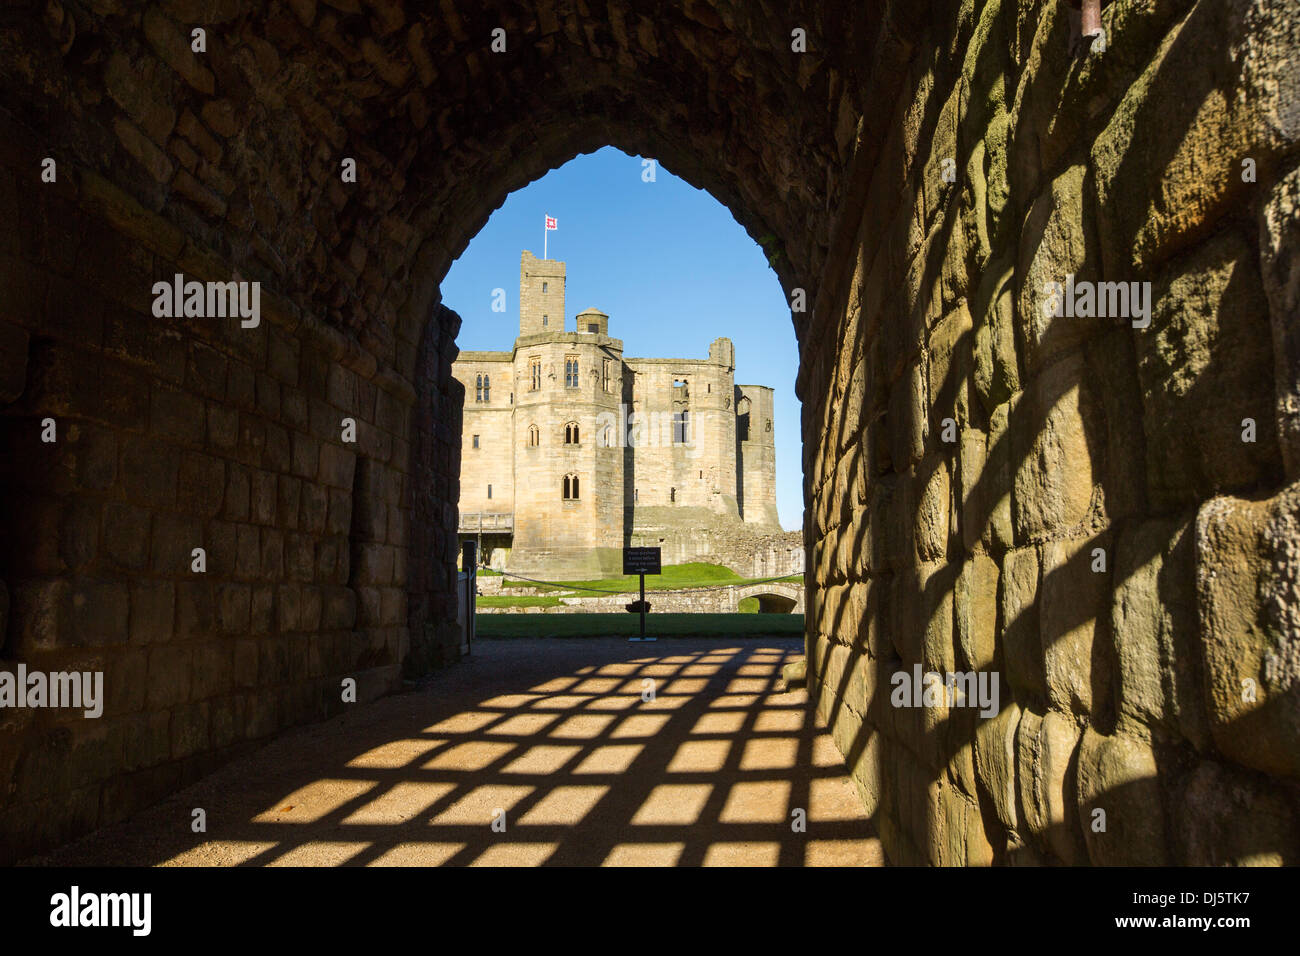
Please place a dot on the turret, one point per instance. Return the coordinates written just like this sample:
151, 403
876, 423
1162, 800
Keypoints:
593, 321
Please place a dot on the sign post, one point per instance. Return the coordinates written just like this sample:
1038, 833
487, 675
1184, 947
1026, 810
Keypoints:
469, 564
641, 561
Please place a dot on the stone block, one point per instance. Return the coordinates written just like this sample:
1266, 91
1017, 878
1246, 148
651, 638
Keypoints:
1248, 599
126, 536
1155, 631
1231, 818
975, 612
153, 611
1279, 237
1204, 367
40, 615
1021, 646
995, 762
1055, 244
202, 482
1118, 775
1074, 625
1052, 433
169, 676
100, 612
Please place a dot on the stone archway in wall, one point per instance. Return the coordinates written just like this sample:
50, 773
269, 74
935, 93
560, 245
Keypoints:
916, 171
327, 558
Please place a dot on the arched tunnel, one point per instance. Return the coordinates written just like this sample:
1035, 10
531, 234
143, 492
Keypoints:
1045, 288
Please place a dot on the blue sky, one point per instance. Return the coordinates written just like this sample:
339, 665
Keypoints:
668, 263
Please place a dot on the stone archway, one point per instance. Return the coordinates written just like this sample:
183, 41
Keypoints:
915, 172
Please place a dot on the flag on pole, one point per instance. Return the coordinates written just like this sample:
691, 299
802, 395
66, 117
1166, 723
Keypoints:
550, 224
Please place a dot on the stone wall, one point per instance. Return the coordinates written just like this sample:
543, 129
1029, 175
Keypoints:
1099, 511
176, 435
1124, 686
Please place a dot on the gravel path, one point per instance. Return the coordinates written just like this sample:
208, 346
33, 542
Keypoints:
551, 738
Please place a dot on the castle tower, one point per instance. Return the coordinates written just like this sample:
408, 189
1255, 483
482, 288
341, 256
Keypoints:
541, 295
755, 409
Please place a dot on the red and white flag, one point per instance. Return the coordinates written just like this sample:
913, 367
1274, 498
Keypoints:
550, 223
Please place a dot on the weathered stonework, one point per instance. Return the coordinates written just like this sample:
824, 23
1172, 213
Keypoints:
1113, 493
948, 546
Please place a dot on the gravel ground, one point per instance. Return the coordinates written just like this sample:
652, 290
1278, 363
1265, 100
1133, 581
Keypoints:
533, 752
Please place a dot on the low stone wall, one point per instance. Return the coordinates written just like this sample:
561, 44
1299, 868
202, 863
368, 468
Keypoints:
722, 600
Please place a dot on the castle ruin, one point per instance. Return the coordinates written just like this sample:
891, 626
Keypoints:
572, 451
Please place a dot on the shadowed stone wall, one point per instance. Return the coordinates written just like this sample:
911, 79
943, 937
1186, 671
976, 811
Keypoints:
1074, 504
325, 558
1122, 688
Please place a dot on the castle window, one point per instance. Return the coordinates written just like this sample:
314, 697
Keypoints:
636, 495
543, 286
605, 374
571, 433
535, 374
489, 492
681, 427
681, 390
768, 425
475, 441
607, 436
672, 494
593, 326
545, 321
570, 487
478, 388
487, 389
534, 436
571, 371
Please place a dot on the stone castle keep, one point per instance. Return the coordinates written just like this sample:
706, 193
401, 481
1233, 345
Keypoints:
571, 450
918, 170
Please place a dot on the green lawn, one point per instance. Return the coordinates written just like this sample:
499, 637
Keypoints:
628, 625
694, 575
509, 600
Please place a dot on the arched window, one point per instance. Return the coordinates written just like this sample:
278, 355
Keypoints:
571, 371
534, 436
672, 494
607, 436
487, 389
570, 487
571, 433
478, 388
